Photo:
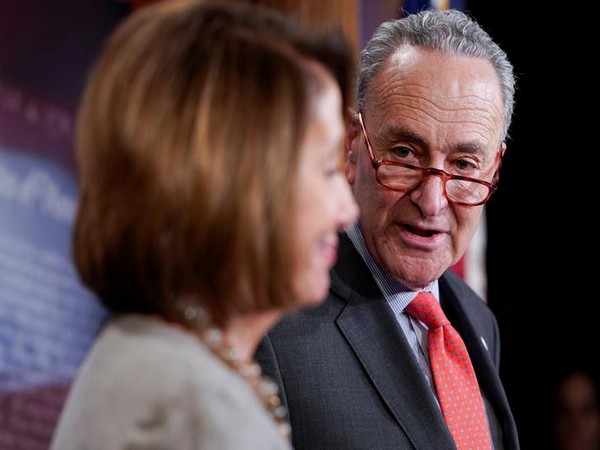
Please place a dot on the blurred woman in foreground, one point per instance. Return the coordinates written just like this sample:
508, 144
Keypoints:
211, 194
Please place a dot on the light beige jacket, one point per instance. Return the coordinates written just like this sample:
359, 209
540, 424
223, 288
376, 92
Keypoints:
148, 385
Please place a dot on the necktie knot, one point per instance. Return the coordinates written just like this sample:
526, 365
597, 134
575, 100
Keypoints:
427, 309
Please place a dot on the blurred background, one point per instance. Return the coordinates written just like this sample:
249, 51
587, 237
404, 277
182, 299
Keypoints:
533, 260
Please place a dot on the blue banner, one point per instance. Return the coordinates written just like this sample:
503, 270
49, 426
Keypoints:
412, 6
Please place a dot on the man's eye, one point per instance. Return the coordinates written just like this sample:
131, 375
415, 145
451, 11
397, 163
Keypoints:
465, 164
400, 152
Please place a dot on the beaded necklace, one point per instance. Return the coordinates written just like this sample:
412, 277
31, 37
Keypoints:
264, 388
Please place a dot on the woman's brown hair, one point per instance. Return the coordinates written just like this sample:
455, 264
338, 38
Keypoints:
188, 139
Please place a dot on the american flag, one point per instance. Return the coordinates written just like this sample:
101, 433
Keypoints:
412, 6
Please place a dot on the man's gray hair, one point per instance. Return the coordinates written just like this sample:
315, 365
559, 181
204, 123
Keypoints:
448, 31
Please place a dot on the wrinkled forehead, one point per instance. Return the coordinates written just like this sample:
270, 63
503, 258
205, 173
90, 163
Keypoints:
437, 89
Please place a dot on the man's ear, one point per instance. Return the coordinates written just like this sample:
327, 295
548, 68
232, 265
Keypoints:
499, 163
351, 143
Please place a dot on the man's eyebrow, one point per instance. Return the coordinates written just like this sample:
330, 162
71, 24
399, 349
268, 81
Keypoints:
398, 132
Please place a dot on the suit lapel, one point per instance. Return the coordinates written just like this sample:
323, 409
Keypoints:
483, 355
371, 330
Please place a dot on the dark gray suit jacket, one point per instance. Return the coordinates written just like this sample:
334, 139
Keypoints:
349, 378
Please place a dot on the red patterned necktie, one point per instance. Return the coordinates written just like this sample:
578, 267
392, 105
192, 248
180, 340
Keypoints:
455, 382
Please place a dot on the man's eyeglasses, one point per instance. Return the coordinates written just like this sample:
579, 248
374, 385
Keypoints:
403, 177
